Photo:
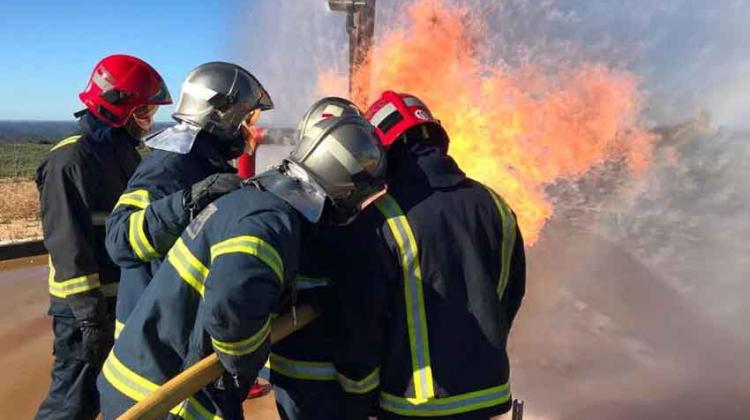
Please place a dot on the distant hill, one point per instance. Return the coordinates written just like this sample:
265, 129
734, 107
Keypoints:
42, 131
50, 132
35, 131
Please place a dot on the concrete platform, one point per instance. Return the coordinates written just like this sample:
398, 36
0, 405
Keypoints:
26, 343
600, 336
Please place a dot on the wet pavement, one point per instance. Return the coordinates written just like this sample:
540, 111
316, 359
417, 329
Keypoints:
26, 343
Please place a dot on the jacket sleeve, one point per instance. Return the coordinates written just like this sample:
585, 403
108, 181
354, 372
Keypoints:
516, 288
364, 273
146, 221
244, 283
67, 226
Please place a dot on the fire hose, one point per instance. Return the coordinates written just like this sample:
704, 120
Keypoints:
158, 403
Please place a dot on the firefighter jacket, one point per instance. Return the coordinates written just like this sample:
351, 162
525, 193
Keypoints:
79, 182
214, 292
431, 277
307, 354
150, 216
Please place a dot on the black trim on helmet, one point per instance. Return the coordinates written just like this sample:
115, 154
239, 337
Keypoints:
390, 121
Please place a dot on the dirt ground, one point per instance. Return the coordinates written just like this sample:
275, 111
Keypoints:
26, 344
19, 205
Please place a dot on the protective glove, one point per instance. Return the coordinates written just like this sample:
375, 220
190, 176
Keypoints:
96, 324
202, 193
97, 342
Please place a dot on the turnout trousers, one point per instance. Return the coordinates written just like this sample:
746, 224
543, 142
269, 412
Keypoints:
308, 400
72, 393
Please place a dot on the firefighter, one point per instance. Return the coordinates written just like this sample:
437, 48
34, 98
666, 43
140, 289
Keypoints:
301, 365
79, 181
226, 273
434, 277
187, 169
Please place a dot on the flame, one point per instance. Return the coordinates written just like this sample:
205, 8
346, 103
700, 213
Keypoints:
514, 129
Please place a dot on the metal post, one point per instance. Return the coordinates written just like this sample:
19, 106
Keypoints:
360, 25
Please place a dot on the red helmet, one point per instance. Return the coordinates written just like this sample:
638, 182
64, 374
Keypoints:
121, 83
394, 113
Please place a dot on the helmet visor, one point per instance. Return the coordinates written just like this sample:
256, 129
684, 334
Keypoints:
264, 102
161, 97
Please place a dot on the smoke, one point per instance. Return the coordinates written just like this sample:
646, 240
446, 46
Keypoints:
637, 297
285, 44
690, 223
690, 54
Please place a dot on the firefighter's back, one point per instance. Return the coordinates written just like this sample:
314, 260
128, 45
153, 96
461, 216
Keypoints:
452, 309
167, 329
459, 239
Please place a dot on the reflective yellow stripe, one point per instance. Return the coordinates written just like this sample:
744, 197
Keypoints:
254, 246
456, 404
509, 240
246, 346
414, 296
65, 288
190, 269
138, 238
302, 369
118, 328
367, 384
137, 388
64, 142
136, 198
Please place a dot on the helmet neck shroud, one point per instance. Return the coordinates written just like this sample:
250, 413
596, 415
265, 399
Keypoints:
422, 140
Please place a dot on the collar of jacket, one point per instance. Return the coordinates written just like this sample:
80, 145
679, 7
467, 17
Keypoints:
204, 149
427, 162
99, 132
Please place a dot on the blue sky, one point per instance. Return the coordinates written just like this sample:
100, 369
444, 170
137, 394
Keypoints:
692, 55
50, 46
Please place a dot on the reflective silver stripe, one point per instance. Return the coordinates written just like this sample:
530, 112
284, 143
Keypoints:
370, 382
99, 217
301, 369
412, 101
109, 289
101, 82
67, 287
446, 406
305, 282
382, 114
246, 346
313, 132
333, 109
198, 91
416, 317
345, 158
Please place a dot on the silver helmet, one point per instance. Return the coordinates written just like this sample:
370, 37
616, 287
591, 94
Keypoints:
217, 97
331, 106
339, 164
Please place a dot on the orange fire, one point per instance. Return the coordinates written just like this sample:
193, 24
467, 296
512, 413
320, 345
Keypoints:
514, 129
